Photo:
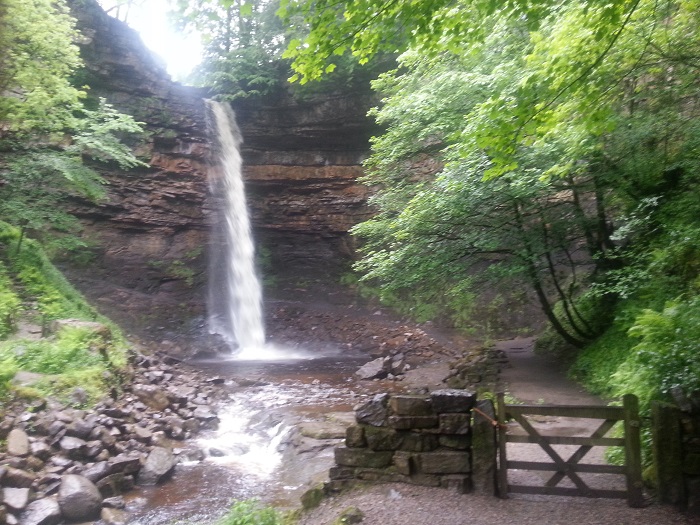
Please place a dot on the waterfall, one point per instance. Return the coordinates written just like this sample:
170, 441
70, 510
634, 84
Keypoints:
235, 296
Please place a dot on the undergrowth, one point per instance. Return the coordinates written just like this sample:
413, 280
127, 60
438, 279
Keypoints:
33, 290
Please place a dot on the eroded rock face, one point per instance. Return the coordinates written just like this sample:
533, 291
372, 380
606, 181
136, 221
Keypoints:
301, 158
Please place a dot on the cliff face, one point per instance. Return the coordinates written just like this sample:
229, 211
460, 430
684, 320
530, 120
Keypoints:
301, 162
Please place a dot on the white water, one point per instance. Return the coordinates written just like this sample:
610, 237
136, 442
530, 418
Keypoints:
235, 298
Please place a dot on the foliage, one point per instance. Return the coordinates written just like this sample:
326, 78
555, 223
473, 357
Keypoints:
75, 357
250, 512
10, 304
37, 57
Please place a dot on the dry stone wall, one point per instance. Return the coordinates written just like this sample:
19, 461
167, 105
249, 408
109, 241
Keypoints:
417, 439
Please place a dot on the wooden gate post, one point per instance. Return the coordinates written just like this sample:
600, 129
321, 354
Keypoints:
502, 437
633, 451
667, 447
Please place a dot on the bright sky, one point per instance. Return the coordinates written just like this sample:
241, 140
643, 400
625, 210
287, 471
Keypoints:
181, 52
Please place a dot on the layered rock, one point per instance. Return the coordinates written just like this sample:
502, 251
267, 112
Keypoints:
301, 157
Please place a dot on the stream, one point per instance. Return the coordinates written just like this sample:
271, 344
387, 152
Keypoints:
274, 441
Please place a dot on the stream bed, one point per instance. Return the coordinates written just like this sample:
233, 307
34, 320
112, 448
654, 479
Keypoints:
275, 438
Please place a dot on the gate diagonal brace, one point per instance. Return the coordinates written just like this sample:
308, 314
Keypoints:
564, 468
581, 452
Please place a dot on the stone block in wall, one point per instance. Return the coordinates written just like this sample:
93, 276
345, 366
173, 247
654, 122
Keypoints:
426, 480
362, 457
454, 423
444, 462
691, 464
373, 412
382, 438
418, 442
460, 483
404, 463
692, 486
355, 437
381, 475
410, 405
409, 422
341, 473
457, 441
452, 400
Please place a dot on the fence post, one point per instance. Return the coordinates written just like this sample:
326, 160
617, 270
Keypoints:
633, 451
667, 447
502, 458
484, 449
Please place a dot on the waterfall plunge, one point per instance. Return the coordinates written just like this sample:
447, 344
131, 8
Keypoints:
235, 296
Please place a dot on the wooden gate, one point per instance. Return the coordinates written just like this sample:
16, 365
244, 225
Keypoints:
569, 468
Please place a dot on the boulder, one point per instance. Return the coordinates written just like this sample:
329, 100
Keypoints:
18, 443
376, 369
374, 412
79, 498
15, 499
151, 396
44, 511
158, 466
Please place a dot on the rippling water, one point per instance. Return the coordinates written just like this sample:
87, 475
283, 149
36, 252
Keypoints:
246, 455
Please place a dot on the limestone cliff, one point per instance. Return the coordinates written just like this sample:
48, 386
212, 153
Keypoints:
301, 162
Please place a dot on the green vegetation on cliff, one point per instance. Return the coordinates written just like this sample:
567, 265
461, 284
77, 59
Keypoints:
87, 352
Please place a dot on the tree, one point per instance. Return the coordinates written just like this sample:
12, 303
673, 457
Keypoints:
548, 123
46, 131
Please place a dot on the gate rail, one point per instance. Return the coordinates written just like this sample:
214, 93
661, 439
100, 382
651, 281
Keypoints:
632, 470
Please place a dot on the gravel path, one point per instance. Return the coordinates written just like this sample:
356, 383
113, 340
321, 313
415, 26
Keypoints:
400, 504
530, 379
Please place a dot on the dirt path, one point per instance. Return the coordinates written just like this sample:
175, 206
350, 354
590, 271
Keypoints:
530, 379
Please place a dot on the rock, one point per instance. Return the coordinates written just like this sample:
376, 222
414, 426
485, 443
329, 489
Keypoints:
124, 464
360, 457
80, 428
410, 405
79, 498
18, 443
15, 499
374, 412
42, 512
97, 471
152, 396
115, 484
15, 477
349, 516
373, 370
41, 450
112, 516
452, 400
158, 466
73, 447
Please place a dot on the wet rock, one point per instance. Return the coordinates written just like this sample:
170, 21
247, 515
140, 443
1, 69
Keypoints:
452, 400
116, 502
152, 396
41, 450
44, 511
97, 471
376, 369
359, 457
15, 477
15, 499
125, 464
112, 516
159, 466
18, 443
80, 428
115, 484
374, 412
73, 447
79, 498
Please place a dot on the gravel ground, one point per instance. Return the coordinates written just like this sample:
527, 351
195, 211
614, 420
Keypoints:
530, 379
400, 504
